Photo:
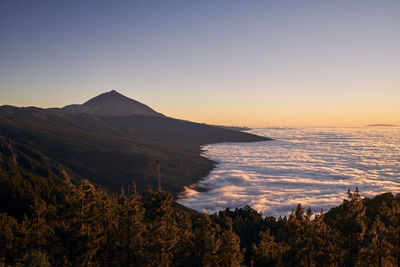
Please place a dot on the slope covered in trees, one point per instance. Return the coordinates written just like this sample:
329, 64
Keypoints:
52, 222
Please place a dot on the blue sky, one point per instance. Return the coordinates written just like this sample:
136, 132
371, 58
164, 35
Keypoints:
256, 63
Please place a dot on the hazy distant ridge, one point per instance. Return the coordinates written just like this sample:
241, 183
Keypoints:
382, 125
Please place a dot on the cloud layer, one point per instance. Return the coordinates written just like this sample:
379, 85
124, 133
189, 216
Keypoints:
312, 166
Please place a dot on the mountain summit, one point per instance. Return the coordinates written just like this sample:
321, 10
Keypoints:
112, 104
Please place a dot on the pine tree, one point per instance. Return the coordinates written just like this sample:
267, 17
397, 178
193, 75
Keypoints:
393, 215
131, 227
35, 259
13, 239
230, 253
296, 240
39, 230
352, 225
91, 228
78, 230
206, 242
323, 249
108, 221
377, 252
184, 243
160, 237
268, 252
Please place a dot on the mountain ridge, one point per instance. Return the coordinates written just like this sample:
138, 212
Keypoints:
111, 151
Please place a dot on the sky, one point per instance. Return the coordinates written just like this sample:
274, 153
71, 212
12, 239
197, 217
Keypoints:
245, 63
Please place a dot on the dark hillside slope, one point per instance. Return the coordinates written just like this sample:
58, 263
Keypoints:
114, 151
176, 131
23, 156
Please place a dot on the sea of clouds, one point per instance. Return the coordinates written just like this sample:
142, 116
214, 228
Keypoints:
311, 166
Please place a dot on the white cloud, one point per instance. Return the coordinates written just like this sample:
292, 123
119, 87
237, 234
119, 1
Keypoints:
312, 166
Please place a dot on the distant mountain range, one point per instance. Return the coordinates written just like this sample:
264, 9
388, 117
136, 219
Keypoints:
382, 125
112, 140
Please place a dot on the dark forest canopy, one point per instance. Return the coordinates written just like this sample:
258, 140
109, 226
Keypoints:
52, 222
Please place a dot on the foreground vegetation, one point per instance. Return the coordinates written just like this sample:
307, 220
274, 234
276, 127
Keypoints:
49, 222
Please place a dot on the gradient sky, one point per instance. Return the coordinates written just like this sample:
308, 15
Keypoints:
255, 63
